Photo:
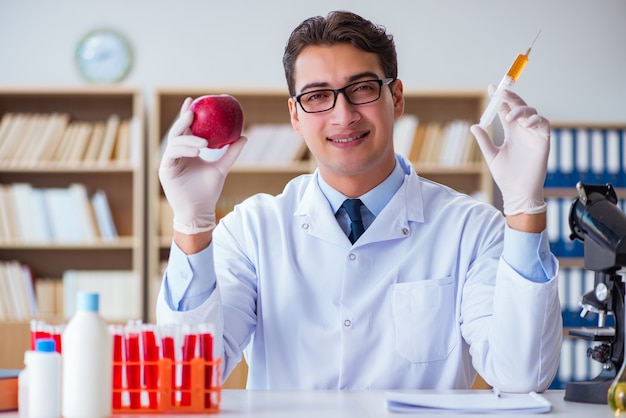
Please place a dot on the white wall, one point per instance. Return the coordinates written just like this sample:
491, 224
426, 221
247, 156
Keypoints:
577, 69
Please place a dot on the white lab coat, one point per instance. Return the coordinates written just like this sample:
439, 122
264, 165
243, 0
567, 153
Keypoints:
422, 300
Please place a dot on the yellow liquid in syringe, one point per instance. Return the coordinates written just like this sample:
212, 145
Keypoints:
518, 66
507, 82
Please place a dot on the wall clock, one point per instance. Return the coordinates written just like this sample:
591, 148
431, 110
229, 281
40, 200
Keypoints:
103, 56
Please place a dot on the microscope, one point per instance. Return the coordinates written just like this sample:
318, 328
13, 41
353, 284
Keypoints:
596, 220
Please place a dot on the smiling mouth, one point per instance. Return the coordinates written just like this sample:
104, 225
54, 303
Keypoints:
348, 139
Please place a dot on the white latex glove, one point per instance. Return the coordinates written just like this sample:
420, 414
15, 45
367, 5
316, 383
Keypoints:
519, 165
191, 184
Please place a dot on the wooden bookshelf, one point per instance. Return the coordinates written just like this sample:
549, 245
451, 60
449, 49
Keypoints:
121, 180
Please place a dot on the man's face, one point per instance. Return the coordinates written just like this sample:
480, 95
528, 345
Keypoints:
349, 141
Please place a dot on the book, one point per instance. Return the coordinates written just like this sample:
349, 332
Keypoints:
60, 202
467, 402
49, 297
108, 141
48, 150
8, 389
119, 292
104, 218
24, 210
82, 216
404, 133
121, 148
271, 145
95, 142
6, 309
55, 126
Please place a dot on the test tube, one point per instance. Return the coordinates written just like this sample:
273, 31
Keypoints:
133, 367
150, 362
189, 351
118, 357
38, 329
168, 351
57, 335
205, 335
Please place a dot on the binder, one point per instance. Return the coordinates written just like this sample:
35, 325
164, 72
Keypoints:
552, 171
598, 157
566, 158
553, 224
613, 154
583, 152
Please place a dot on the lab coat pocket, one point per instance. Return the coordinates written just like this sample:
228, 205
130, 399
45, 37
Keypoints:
424, 313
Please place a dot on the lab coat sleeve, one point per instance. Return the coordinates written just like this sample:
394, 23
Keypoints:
515, 338
191, 278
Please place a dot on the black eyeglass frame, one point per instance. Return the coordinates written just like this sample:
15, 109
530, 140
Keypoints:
381, 83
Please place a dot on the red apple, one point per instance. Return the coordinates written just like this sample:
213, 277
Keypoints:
217, 118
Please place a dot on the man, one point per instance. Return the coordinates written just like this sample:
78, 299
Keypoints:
438, 286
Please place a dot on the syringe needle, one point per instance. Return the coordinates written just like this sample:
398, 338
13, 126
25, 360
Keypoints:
507, 82
533, 43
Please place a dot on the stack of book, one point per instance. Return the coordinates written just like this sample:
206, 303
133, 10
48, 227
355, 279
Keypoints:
17, 293
41, 140
447, 144
271, 145
54, 215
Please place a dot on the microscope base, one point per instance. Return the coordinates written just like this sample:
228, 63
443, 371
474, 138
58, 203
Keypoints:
594, 391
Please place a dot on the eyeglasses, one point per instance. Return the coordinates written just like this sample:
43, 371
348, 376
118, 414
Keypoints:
359, 93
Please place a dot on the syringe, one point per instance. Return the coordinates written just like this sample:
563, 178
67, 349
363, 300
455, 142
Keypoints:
507, 83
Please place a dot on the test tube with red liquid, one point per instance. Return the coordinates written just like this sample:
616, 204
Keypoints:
150, 362
38, 329
189, 352
168, 351
133, 366
118, 357
205, 336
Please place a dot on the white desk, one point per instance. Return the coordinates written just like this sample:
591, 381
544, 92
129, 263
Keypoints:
238, 403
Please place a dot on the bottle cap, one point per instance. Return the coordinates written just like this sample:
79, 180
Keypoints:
88, 301
47, 345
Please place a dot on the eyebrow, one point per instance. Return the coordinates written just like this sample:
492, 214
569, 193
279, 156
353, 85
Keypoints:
351, 79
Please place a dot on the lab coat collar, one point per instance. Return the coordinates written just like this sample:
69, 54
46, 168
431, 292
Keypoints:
393, 222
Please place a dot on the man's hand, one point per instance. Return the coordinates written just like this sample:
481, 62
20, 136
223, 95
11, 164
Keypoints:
519, 165
192, 185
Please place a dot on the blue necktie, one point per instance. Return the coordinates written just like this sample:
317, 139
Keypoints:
353, 207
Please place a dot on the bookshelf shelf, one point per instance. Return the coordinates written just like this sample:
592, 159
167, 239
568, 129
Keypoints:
62, 168
118, 172
120, 243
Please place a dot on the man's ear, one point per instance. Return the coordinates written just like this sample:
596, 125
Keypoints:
293, 113
397, 91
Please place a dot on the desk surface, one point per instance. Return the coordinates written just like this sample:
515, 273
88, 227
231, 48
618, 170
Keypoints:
239, 403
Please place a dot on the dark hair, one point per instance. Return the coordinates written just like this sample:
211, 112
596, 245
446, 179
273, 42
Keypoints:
340, 27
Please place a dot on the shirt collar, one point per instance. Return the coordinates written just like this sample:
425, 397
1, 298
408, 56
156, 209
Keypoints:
377, 198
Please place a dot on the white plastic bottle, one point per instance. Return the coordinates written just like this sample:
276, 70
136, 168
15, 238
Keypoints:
22, 387
87, 362
44, 380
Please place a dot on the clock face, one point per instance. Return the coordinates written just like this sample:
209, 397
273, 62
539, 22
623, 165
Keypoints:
103, 56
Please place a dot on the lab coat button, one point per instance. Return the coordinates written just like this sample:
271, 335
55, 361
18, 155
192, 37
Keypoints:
405, 231
352, 256
305, 225
347, 323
